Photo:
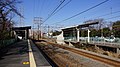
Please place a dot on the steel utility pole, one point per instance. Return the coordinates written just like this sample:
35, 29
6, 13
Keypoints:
48, 31
40, 27
33, 31
38, 21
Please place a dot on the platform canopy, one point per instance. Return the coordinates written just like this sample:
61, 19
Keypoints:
79, 26
21, 28
87, 24
72, 31
22, 31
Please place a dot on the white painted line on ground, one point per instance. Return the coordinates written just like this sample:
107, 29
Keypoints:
31, 57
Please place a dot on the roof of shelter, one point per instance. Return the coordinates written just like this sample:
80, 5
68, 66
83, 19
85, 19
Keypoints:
80, 26
86, 24
21, 28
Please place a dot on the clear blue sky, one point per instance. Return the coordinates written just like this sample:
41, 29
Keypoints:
42, 8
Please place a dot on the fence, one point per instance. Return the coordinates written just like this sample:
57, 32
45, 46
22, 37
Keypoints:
4, 43
95, 39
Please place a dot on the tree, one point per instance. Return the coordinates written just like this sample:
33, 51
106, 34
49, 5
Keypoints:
7, 7
104, 28
55, 33
83, 33
93, 33
116, 29
106, 32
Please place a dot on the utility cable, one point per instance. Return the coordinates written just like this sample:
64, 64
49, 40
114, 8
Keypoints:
112, 17
62, 7
54, 11
84, 11
42, 7
108, 14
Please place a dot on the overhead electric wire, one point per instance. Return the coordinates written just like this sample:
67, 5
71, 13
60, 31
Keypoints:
54, 11
62, 7
83, 11
105, 14
38, 2
34, 8
112, 17
38, 7
108, 14
42, 7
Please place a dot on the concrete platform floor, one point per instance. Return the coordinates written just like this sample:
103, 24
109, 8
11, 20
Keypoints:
18, 55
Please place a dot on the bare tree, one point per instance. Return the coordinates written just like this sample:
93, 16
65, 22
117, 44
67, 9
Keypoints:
7, 8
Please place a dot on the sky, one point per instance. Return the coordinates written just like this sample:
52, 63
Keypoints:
43, 8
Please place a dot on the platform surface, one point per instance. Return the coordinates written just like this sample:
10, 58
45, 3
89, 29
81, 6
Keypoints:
18, 55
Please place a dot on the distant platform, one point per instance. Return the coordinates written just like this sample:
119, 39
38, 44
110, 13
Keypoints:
114, 45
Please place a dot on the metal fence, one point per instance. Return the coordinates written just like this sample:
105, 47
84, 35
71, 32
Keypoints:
94, 39
4, 43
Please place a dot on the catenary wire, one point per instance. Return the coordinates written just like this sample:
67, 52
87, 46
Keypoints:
53, 11
83, 11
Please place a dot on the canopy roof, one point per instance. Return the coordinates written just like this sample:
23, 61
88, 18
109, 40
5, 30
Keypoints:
79, 26
21, 28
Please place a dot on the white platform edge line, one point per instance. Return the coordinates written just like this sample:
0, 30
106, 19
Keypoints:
31, 57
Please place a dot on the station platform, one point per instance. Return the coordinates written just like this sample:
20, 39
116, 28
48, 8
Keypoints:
22, 54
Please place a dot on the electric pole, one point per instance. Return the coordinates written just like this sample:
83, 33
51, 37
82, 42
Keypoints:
38, 21
33, 31
40, 27
48, 31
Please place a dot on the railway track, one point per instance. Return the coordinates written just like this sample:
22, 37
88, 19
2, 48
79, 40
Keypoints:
89, 55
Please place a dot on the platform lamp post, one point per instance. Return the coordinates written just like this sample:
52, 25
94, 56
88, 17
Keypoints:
78, 32
111, 31
88, 35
